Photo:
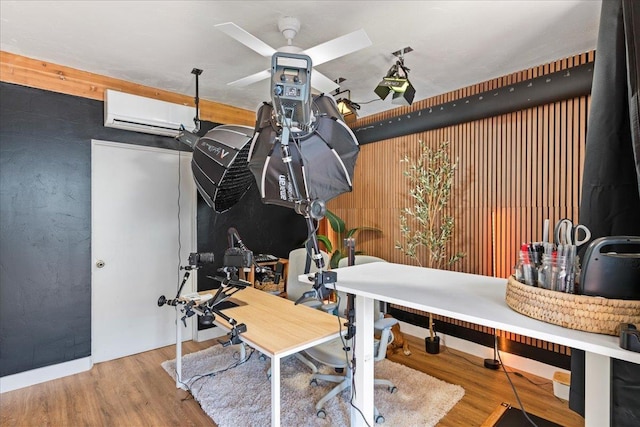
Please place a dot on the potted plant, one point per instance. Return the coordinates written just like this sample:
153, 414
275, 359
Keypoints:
427, 226
338, 226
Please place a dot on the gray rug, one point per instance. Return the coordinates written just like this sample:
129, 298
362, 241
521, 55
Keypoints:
241, 396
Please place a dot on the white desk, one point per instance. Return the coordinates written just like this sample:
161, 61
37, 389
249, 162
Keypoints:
472, 298
277, 328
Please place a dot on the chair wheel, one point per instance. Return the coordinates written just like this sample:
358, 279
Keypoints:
314, 382
379, 419
393, 389
321, 414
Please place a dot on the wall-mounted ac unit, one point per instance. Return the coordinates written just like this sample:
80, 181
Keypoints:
140, 114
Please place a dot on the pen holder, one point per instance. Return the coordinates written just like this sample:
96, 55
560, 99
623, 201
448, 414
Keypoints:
580, 312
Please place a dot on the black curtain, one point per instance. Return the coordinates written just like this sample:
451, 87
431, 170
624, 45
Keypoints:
610, 204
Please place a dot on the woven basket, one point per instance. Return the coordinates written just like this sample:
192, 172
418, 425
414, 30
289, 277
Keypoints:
269, 286
581, 312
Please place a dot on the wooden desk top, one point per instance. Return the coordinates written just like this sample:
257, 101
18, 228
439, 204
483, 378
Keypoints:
276, 326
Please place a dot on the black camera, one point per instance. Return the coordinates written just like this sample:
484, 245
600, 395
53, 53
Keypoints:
236, 257
199, 259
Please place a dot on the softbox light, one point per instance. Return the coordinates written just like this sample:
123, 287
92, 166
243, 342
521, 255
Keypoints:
323, 159
219, 165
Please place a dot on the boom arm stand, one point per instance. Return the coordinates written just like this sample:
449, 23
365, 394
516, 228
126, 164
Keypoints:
208, 310
350, 243
319, 291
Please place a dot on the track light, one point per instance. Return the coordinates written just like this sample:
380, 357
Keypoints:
345, 105
397, 81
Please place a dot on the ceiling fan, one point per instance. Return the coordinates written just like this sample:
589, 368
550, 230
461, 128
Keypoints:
289, 26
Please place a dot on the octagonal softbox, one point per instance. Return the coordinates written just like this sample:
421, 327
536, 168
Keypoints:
323, 160
219, 165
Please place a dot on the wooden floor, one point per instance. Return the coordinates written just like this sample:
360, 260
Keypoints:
136, 391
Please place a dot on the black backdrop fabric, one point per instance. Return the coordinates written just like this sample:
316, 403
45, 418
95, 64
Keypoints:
266, 229
610, 203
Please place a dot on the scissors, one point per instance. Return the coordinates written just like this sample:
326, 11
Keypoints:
565, 233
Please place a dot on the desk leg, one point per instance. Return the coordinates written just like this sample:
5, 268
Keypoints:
364, 363
597, 390
178, 351
275, 391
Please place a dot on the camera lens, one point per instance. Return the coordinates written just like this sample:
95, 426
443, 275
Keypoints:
206, 257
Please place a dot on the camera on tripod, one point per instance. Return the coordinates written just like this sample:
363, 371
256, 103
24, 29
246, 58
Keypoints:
197, 260
238, 257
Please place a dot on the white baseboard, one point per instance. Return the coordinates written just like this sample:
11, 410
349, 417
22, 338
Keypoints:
41, 375
60, 370
518, 362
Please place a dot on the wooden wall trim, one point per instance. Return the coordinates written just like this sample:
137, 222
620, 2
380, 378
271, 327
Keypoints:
30, 72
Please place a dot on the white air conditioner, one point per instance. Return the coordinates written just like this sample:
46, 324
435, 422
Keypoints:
140, 114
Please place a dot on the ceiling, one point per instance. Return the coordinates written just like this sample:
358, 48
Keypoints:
157, 43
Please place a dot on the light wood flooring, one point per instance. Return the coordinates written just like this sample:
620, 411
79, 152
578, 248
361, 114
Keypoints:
136, 391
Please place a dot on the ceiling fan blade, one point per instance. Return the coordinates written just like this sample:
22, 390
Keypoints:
338, 47
246, 38
253, 78
322, 83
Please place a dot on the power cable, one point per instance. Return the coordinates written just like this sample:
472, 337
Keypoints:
513, 387
193, 380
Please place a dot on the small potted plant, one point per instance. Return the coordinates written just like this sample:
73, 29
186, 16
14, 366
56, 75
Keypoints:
338, 226
427, 226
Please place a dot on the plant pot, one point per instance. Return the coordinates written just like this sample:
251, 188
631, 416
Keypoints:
432, 345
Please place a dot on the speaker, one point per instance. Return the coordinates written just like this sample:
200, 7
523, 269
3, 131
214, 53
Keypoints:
219, 165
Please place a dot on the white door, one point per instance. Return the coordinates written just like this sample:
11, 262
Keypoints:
136, 238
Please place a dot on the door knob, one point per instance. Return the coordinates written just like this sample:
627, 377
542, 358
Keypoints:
99, 263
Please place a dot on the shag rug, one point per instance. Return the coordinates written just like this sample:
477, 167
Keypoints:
241, 395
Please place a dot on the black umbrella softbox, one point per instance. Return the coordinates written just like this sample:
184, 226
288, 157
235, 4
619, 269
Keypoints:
323, 160
219, 165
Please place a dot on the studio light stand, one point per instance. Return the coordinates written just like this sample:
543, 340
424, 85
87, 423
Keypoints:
493, 363
291, 97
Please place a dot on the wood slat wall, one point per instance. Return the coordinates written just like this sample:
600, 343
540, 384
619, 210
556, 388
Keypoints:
58, 78
514, 171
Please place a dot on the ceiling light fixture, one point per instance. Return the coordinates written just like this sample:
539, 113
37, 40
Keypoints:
397, 81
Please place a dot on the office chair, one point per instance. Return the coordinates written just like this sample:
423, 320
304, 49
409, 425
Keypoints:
333, 354
295, 289
297, 263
